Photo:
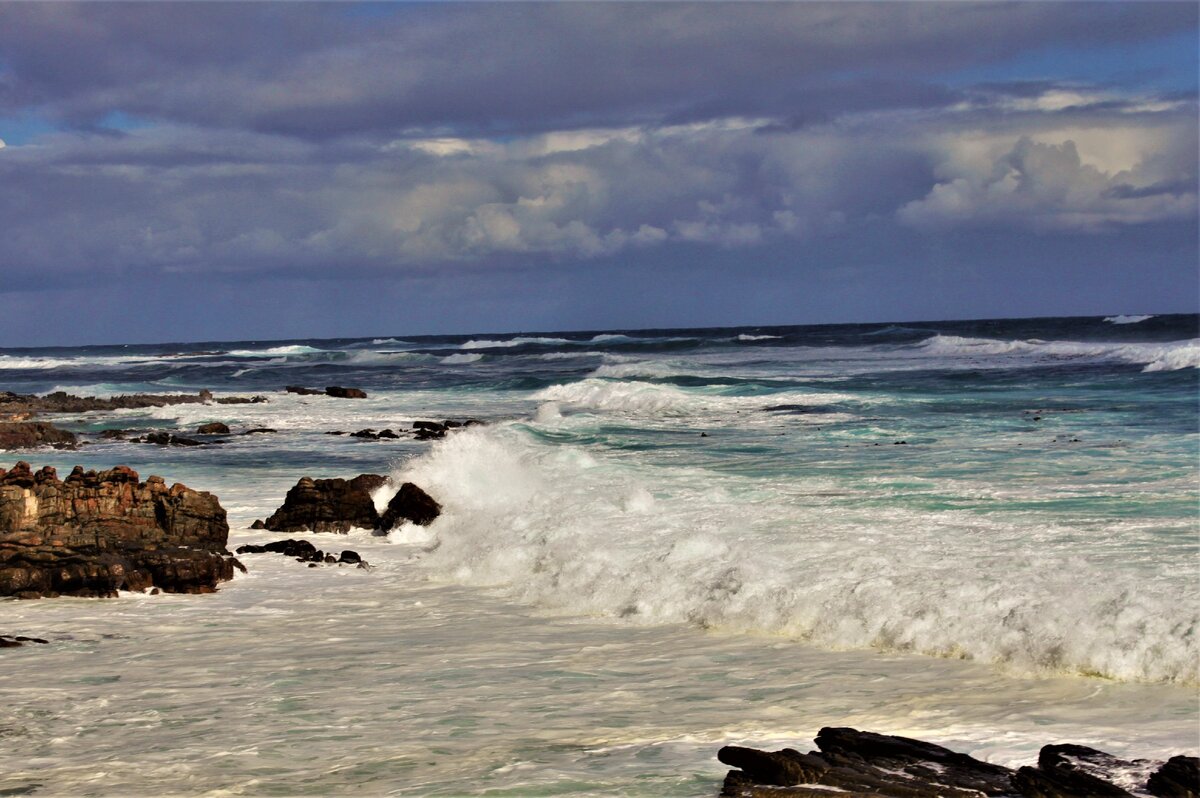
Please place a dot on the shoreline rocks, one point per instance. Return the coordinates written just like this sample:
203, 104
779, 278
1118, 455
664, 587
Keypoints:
93, 534
881, 766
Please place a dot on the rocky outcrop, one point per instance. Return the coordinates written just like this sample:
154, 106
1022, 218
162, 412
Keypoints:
213, 428
9, 641
62, 402
410, 504
93, 534
336, 505
30, 434
328, 505
881, 766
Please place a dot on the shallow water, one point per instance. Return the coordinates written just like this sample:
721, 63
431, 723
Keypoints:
608, 596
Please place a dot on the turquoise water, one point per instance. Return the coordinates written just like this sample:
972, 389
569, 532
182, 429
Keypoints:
659, 542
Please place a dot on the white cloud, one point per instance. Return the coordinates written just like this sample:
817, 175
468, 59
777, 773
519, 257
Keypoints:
1041, 185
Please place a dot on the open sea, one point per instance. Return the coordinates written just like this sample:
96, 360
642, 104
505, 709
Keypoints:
980, 533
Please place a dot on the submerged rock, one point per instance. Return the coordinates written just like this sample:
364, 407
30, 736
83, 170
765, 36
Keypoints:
881, 766
30, 434
93, 534
328, 505
339, 392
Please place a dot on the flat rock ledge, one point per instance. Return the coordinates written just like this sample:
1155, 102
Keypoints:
337, 505
869, 765
93, 534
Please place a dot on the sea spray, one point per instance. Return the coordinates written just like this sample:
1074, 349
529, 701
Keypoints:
573, 531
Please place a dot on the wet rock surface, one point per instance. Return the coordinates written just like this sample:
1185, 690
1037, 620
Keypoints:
304, 551
328, 505
93, 534
410, 504
336, 391
337, 505
17, 641
860, 763
213, 428
31, 434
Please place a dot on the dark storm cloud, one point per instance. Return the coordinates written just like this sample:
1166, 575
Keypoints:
315, 70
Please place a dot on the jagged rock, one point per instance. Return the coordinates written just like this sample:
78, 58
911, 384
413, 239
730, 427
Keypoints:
30, 434
881, 766
365, 434
1179, 777
410, 504
328, 505
93, 534
427, 434
302, 391
432, 426
213, 428
339, 392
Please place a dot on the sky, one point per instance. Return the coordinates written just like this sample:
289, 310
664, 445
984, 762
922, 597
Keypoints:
222, 171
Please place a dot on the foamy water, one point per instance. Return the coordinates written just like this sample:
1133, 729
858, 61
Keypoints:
982, 535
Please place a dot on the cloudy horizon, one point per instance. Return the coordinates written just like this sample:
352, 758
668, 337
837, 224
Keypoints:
195, 171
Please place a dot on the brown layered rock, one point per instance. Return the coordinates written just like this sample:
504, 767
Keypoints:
410, 504
30, 434
328, 505
213, 428
881, 766
93, 534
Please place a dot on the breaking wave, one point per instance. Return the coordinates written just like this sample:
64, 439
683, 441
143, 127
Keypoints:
1127, 319
571, 531
1154, 356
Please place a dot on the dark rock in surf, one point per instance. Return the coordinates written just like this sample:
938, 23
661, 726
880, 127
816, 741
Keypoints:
387, 433
432, 426
339, 392
213, 428
168, 439
258, 524
410, 504
328, 505
31, 434
883, 766
302, 391
93, 534
302, 551
62, 402
1179, 776
258, 431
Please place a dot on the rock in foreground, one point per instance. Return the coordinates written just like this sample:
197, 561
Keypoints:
881, 766
96, 533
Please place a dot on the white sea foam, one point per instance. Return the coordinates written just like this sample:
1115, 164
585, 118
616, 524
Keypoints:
465, 357
745, 337
571, 531
1127, 319
648, 399
379, 341
291, 349
1155, 356
520, 341
21, 362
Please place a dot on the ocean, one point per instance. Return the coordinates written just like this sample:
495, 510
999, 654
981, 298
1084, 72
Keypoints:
980, 533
